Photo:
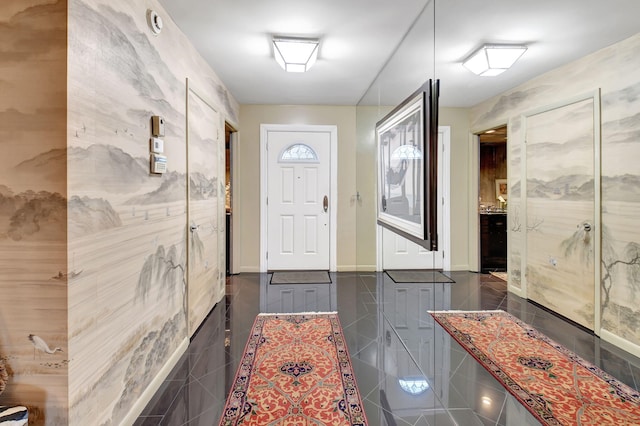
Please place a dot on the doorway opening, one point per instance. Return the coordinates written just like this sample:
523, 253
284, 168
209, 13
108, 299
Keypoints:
230, 138
492, 199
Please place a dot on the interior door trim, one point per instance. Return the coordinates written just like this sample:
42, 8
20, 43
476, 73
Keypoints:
333, 185
192, 89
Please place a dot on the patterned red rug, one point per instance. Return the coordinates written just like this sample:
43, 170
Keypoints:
554, 384
295, 370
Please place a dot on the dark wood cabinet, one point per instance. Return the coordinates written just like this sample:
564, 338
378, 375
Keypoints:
493, 242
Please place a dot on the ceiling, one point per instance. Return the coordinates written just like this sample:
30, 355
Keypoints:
493, 136
379, 51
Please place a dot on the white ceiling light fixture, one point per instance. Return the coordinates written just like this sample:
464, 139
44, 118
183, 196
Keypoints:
295, 54
493, 59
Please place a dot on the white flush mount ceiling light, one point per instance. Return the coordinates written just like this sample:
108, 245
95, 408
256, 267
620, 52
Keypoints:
295, 54
493, 59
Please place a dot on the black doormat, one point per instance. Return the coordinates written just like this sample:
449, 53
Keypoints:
300, 277
418, 276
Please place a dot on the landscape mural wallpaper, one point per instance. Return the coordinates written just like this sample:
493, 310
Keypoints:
612, 71
94, 266
561, 209
33, 208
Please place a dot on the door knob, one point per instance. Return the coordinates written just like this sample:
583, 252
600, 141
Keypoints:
586, 226
193, 228
325, 203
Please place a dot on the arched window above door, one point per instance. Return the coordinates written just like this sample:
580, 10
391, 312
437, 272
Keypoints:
298, 152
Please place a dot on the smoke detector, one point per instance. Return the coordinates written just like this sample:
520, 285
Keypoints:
155, 21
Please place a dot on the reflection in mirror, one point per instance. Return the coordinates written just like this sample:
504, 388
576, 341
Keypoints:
414, 357
400, 166
395, 82
297, 297
407, 158
414, 385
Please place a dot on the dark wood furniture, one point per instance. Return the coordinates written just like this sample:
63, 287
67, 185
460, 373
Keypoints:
493, 242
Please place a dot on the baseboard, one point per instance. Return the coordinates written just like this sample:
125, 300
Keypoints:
155, 384
340, 268
460, 267
365, 268
516, 290
347, 268
618, 341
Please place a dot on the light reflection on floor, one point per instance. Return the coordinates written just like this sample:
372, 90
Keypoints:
409, 370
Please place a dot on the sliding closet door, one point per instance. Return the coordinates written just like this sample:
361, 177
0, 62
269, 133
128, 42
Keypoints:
205, 284
561, 146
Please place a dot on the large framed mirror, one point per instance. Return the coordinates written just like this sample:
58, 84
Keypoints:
407, 167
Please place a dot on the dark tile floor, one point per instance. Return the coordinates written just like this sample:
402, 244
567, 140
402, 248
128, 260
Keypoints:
409, 371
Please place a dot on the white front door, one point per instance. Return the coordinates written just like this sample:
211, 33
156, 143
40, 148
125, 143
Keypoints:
400, 253
298, 199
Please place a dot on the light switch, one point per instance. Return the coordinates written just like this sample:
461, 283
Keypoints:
157, 126
157, 145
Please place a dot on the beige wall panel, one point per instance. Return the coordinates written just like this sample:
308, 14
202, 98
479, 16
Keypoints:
458, 120
366, 119
247, 214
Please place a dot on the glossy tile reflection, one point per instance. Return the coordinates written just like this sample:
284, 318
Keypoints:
409, 370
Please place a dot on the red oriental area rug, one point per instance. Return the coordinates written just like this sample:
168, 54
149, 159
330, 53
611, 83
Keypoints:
295, 370
554, 384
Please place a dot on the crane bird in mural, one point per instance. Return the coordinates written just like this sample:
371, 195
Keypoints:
41, 345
